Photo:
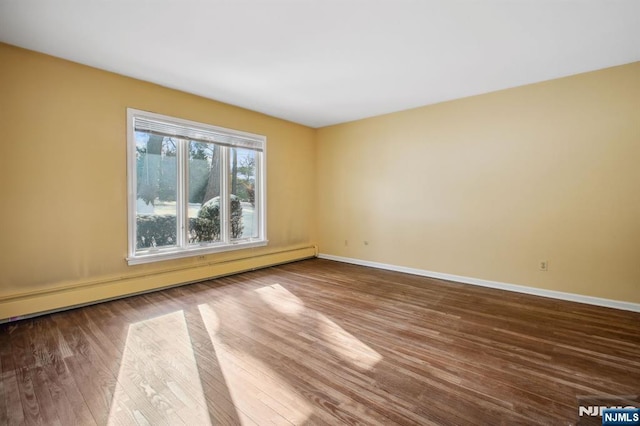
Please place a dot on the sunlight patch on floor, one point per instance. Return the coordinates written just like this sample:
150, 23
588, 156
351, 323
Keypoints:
158, 381
341, 342
346, 345
259, 394
280, 299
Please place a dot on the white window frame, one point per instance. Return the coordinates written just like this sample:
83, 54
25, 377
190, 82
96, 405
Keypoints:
228, 139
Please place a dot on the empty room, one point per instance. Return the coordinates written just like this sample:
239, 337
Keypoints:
320, 212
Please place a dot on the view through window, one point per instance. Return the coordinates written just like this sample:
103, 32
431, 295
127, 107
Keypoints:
194, 188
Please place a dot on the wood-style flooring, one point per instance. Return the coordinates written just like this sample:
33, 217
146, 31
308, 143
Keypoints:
317, 342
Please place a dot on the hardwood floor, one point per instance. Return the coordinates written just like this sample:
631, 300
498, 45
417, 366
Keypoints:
317, 342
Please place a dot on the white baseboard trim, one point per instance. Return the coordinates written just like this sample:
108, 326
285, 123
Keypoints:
572, 297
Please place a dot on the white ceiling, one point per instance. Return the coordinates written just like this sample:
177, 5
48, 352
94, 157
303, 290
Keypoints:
321, 62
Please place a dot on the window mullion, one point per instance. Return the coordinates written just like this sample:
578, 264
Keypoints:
181, 198
259, 212
225, 223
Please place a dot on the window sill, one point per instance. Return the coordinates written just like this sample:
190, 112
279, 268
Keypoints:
171, 254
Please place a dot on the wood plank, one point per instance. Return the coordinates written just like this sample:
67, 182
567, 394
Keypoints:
24, 362
11, 411
84, 369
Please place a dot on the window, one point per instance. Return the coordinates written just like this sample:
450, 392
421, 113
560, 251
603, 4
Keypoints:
193, 188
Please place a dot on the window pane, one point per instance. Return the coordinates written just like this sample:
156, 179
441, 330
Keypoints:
156, 167
204, 193
244, 215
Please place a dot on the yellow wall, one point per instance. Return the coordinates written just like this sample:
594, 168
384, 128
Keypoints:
487, 186
63, 223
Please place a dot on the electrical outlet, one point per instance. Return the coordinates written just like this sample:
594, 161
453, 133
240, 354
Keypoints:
543, 265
